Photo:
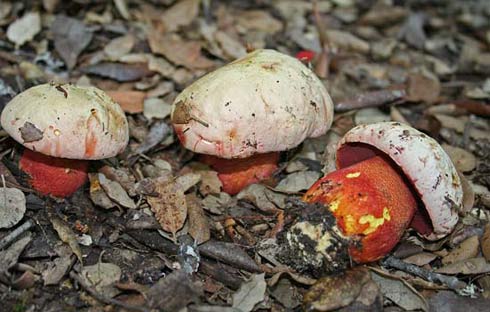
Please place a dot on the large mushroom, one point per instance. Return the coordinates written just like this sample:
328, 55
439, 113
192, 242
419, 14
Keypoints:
63, 126
243, 114
387, 173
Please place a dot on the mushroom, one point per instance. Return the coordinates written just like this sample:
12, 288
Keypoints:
244, 113
387, 173
63, 126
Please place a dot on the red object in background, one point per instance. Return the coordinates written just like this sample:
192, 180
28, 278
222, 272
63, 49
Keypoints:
305, 55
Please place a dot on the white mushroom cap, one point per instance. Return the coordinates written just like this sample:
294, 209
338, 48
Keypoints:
423, 161
264, 102
67, 121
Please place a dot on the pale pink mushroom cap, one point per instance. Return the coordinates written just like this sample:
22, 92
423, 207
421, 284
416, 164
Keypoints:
264, 102
67, 121
423, 161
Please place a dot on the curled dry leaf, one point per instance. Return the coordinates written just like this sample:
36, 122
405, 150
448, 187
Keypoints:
463, 160
67, 235
198, 222
102, 277
182, 13
469, 248
477, 265
336, 291
24, 29
116, 192
188, 180
250, 293
485, 242
121, 175
97, 193
12, 206
169, 206
210, 183
262, 197
298, 181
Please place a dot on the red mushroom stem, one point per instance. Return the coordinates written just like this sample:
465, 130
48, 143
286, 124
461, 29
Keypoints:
236, 174
59, 177
371, 203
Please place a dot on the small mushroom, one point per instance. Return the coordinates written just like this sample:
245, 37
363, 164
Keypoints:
63, 126
389, 176
244, 113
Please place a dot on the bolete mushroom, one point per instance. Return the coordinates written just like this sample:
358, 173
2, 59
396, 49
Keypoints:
63, 126
244, 113
387, 173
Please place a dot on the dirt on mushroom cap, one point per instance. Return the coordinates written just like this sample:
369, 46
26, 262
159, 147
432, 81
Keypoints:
67, 121
264, 102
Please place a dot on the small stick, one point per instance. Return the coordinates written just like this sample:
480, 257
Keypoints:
15, 233
370, 99
450, 281
103, 298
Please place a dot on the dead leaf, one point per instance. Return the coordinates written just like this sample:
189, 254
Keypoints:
421, 258
485, 242
336, 291
468, 194
102, 276
298, 181
447, 301
9, 256
215, 204
477, 265
57, 268
30, 133
403, 296
12, 206
116, 192
173, 292
469, 248
186, 53
71, 37
66, 235
121, 175
258, 20
347, 41
156, 108
188, 180
130, 101
169, 207
423, 88
198, 222
229, 253
463, 160
118, 71
250, 293
262, 197
232, 48
24, 29
97, 193
119, 47
180, 14
158, 132
210, 183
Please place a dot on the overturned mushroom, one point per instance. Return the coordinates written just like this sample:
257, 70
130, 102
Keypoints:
63, 126
388, 173
241, 115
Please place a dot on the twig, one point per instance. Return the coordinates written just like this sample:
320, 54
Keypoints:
450, 281
103, 298
322, 65
5, 241
370, 99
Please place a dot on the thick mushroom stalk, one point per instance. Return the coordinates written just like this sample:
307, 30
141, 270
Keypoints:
263, 103
59, 177
236, 174
388, 172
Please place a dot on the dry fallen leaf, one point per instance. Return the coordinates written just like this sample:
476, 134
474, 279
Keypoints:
12, 206
470, 266
116, 192
102, 277
186, 53
198, 222
298, 181
97, 193
250, 293
170, 206
336, 291
188, 180
423, 88
119, 47
130, 101
182, 13
463, 160
469, 248
262, 197
210, 183
156, 108
67, 235
485, 242
24, 29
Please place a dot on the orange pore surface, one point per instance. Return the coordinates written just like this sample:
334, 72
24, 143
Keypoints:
54, 176
371, 202
236, 174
